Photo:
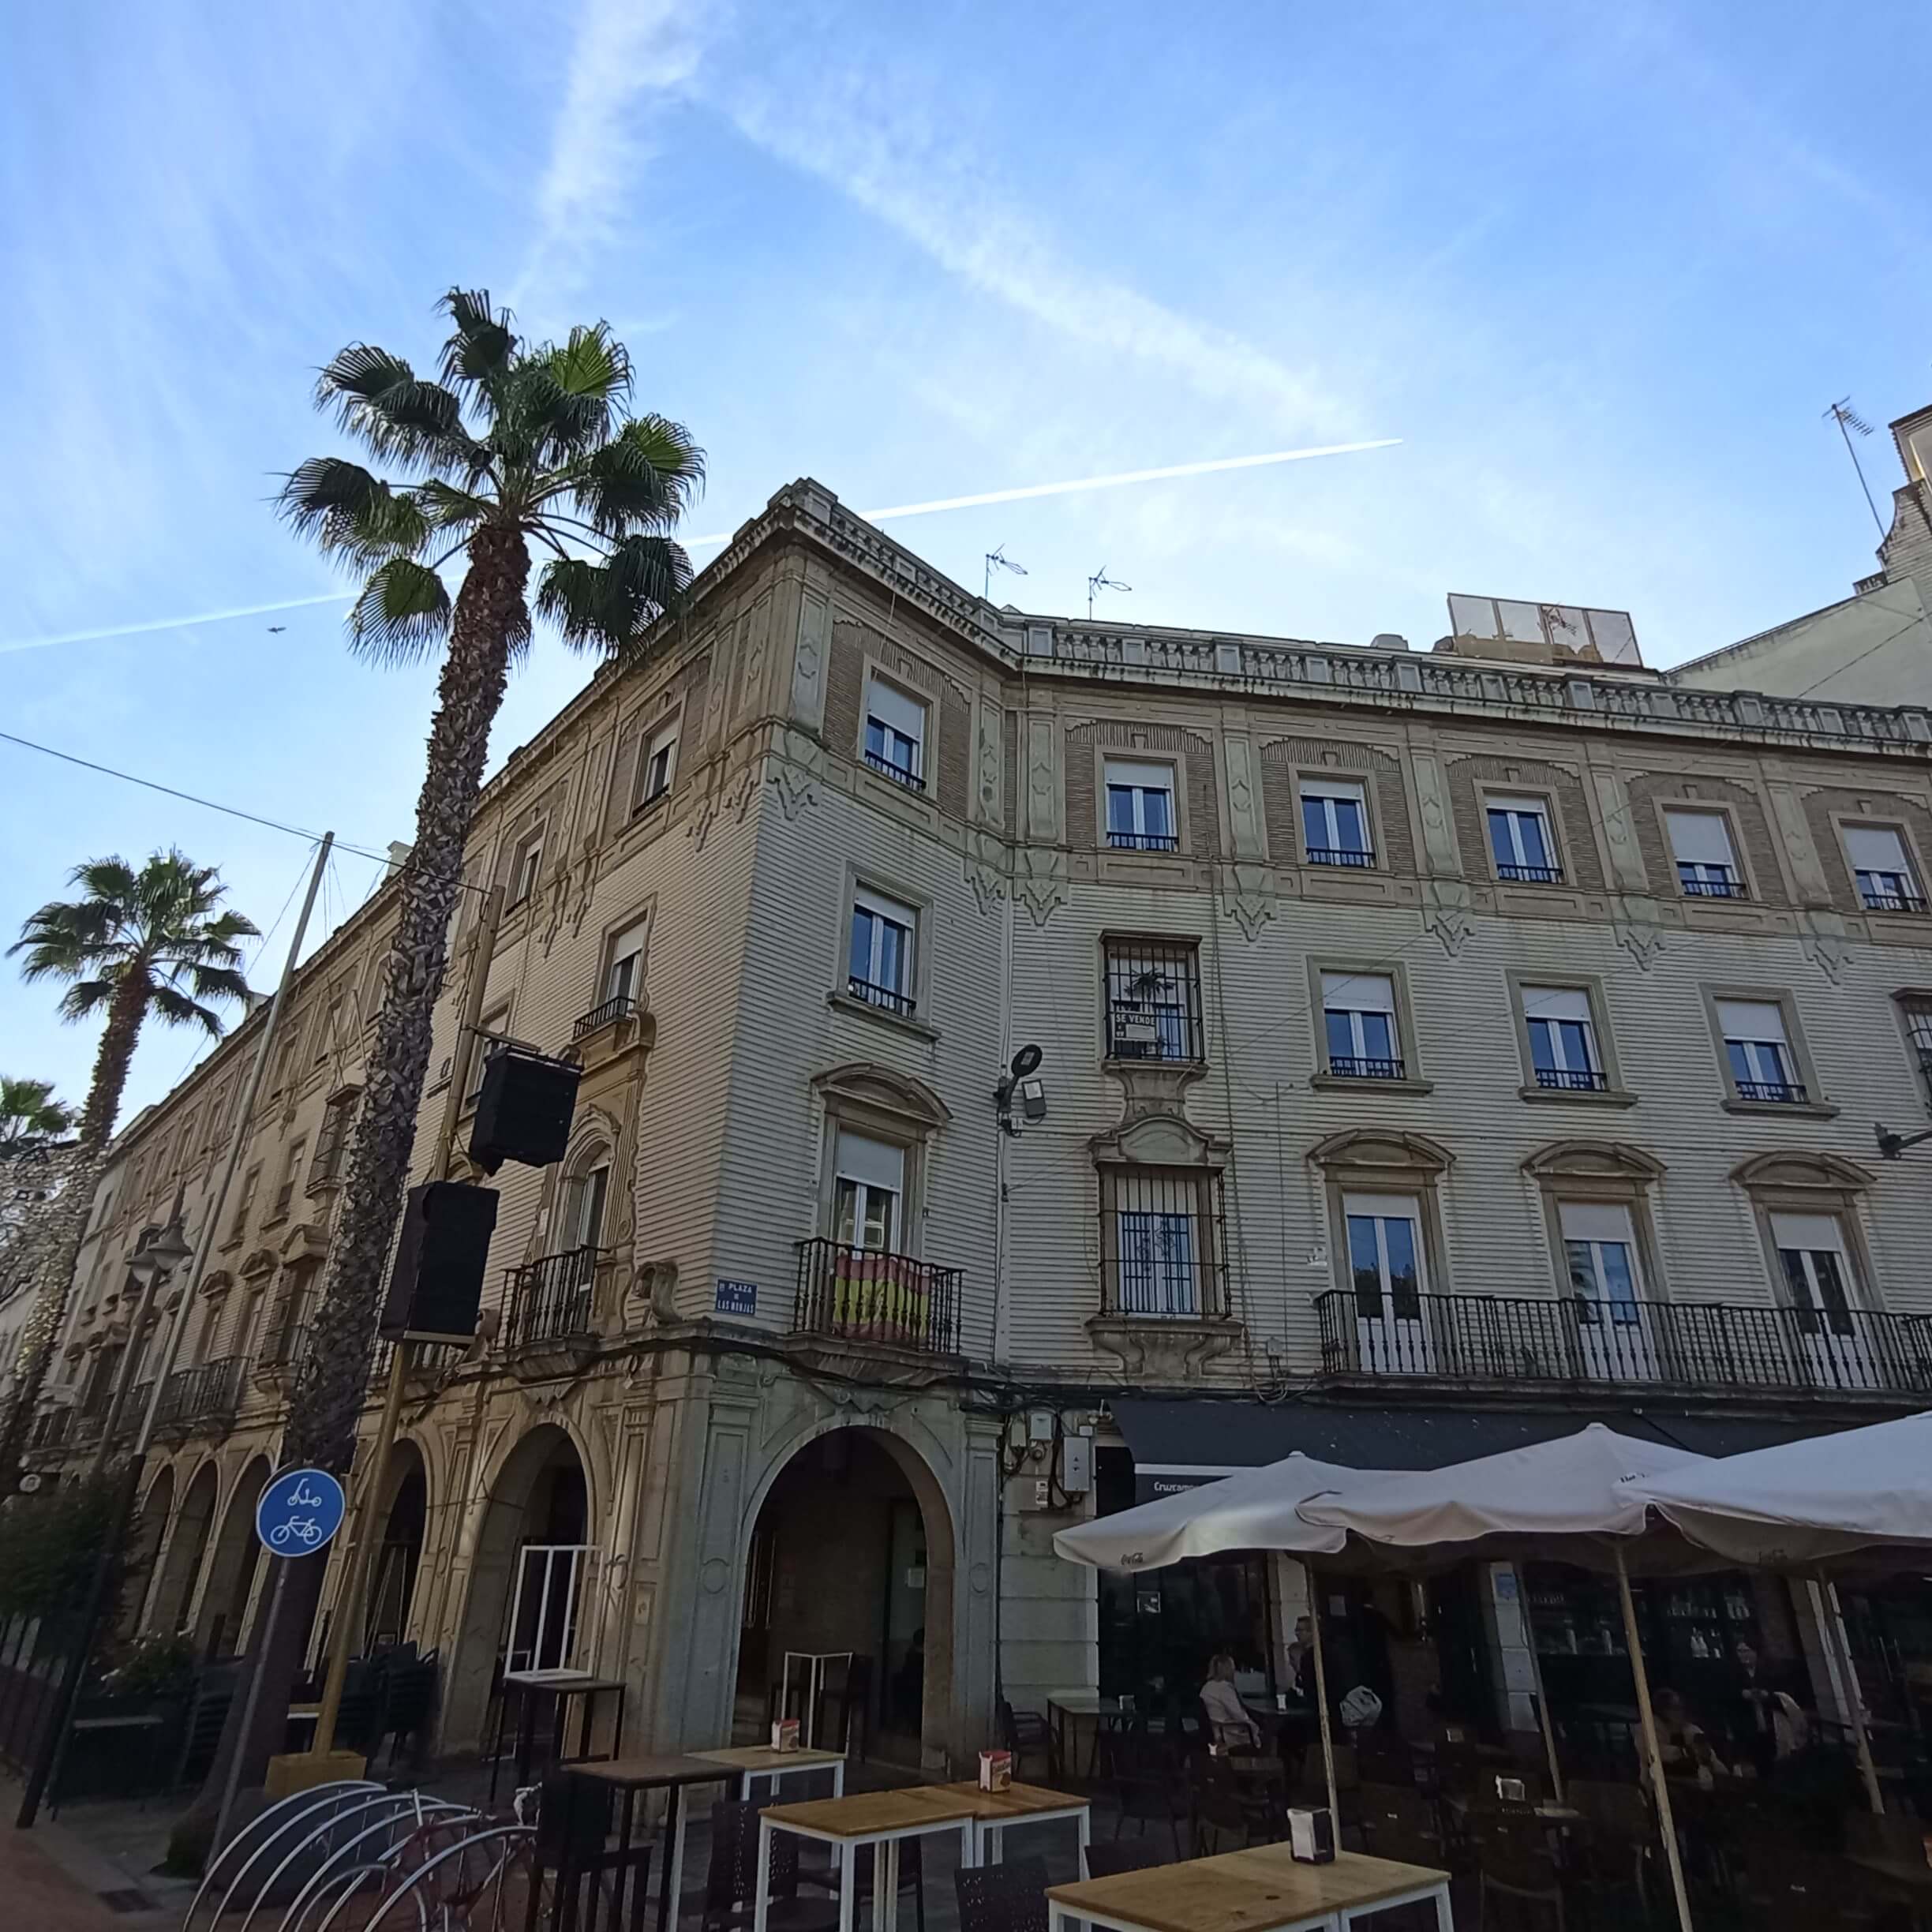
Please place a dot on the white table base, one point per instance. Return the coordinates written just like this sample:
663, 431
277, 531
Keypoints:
1059, 1919
885, 1867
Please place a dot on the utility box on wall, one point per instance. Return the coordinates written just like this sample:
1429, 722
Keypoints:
1076, 1465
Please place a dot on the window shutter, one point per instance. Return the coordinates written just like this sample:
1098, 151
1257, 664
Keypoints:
886, 908
1875, 848
1598, 1221
875, 1163
1150, 777
892, 707
1699, 838
1358, 992
1816, 1232
1556, 1003
1751, 1020
1333, 789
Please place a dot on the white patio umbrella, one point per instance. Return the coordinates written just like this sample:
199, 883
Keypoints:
1256, 1510
1859, 1500
1575, 1500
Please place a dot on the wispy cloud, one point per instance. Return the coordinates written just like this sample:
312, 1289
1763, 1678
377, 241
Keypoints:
624, 49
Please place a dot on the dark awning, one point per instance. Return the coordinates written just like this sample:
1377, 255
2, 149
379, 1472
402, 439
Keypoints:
1177, 1444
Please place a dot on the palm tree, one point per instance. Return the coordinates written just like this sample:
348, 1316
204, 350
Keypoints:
153, 942
135, 943
518, 445
30, 1116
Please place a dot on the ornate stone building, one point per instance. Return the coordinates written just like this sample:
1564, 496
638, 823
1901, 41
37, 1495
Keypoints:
1432, 1051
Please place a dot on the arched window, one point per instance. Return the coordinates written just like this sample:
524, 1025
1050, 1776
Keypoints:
587, 1197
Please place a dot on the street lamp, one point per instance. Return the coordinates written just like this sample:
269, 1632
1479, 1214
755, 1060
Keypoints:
1891, 1145
161, 1257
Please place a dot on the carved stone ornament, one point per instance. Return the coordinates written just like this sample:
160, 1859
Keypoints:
1641, 940
1249, 899
986, 869
793, 786
1040, 883
1164, 1352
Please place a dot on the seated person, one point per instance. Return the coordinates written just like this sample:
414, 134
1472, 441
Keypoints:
1232, 1725
1682, 1743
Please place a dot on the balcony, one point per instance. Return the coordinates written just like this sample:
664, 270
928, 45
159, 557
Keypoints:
865, 1294
1143, 841
1573, 1079
1712, 883
1776, 1093
1900, 900
1341, 855
898, 773
887, 999
1508, 1340
1531, 874
551, 1301
620, 1007
202, 1401
1350, 1067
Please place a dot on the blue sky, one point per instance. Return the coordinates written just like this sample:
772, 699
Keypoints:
1601, 270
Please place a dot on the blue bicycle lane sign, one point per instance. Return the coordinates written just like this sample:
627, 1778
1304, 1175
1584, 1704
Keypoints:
298, 1512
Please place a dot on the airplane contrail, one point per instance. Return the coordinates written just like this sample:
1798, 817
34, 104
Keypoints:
1022, 493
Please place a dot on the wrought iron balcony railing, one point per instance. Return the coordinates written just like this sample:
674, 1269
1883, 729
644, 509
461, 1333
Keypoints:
620, 1006
888, 999
1780, 1093
866, 1294
1350, 1067
552, 1299
898, 773
1531, 874
1712, 884
1515, 1339
1144, 841
1901, 901
1573, 1079
204, 1397
1340, 856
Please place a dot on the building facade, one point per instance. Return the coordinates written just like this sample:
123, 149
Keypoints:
1431, 1051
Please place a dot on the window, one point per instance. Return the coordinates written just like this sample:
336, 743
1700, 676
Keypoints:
1757, 1052
1886, 881
1563, 1039
1599, 1245
895, 734
1153, 1001
1818, 1272
1385, 1254
1358, 1014
1706, 866
1141, 806
291, 1168
482, 1046
868, 1192
238, 1226
660, 765
1334, 823
1520, 842
332, 1140
524, 868
1915, 1010
624, 976
1160, 1238
880, 967
584, 1208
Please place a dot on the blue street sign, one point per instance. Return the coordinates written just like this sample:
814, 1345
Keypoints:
299, 1511
735, 1298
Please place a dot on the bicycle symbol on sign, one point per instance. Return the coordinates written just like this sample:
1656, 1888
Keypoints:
303, 1529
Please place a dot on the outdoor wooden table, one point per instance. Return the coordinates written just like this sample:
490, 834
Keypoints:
559, 1686
1106, 1712
1262, 1889
760, 1761
880, 1819
994, 1813
669, 1773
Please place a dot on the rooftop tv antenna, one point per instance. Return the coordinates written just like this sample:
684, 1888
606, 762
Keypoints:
1849, 419
1101, 581
998, 559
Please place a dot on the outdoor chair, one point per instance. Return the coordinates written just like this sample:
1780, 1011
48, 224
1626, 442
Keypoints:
1109, 1858
1399, 1822
410, 1705
1618, 1839
730, 1894
207, 1713
1026, 1733
1218, 1816
1140, 1776
1517, 1884
912, 1875
1002, 1898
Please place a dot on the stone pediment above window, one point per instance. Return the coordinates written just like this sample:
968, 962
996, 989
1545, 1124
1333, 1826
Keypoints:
308, 1241
864, 1087
1594, 1160
1159, 1140
219, 1283
1365, 1151
1819, 1175
262, 1261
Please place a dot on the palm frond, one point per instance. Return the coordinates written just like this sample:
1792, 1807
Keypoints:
112, 882
592, 362
350, 513
642, 480
379, 398
178, 1009
86, 997
28, 1111
207, 983
62, 938
447, 508
402, 614
482, 343
608, 606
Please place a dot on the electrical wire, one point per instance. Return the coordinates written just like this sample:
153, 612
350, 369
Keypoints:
192, 798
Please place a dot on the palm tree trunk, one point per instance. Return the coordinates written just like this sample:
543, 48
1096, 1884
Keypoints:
67, 1219
333, 1377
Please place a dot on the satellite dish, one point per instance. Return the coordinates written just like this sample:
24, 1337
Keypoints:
1026, 1060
